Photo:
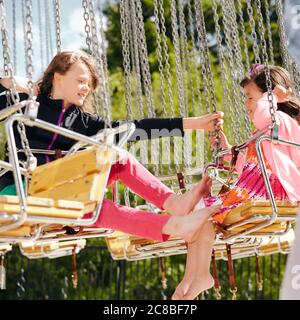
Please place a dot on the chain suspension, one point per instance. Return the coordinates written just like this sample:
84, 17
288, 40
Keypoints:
253, 32
224, 77
57, 24
265, 60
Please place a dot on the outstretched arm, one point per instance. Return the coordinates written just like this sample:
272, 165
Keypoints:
21, 84
206, 122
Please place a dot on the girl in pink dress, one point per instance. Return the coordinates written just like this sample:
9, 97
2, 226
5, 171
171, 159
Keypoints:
282, 163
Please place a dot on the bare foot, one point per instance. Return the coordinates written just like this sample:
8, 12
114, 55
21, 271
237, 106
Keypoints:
197, 286
181, 290
187, 227
182, 204
190, 289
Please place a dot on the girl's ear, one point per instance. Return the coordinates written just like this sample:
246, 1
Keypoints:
56, 77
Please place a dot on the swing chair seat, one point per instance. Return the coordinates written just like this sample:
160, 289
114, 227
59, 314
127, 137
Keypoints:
265, 246
5, 247
66, 188
124, 246
249, 209
51, 250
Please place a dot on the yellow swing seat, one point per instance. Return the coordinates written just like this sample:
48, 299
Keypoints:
65, 188
54, 249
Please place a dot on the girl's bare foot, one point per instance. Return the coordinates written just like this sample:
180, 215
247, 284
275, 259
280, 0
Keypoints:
182, 204
190, 289
187, 227
197, 286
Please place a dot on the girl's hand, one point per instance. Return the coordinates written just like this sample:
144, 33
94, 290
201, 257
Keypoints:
206, 122
223, 142
282, 93
21, 85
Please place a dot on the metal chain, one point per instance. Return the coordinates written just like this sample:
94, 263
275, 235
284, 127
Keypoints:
269, 30
87, 27
244, 36
240, 70
31, 161
144, 57
282, 35
48, 53
288, 61
7, 65
203, 67
57, 24
103, 57
185, 67
29, 47
164, 65
146, 76
103, 76
14, 35
24, 25
160, 58
131, 17
188, 87
232, 69
194, 59
253, 32
265, 60
126, 58
178, 67
41, 34
224, 77
166, 58
133, 36
203, 35
49, 26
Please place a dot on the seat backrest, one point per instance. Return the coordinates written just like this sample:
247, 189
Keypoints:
79, 177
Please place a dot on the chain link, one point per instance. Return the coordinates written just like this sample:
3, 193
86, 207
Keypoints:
240, 70
166, 58
244, 36
31, 161
14, 35
265, 57
144, 57
41, 34
7, 65
57, 24
269, 30
126, 57
253, 31
234, 77
178, 67
224, 76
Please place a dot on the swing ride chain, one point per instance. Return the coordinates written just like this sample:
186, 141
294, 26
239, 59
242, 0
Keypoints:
7, 66
31, 160
126, 57
57, 24
253, 32
265, 60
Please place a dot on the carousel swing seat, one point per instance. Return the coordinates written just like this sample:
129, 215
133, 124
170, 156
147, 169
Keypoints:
60, 191
51, 249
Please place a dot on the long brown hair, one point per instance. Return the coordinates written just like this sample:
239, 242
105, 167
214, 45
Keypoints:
279, 76
62, 63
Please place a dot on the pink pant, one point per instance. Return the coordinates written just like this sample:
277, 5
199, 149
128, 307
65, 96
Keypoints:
130, 220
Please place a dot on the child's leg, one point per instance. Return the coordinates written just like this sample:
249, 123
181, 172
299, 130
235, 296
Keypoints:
148, 224
197, 277
135, 176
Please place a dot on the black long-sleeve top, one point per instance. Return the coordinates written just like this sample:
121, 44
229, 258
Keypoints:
73, 118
